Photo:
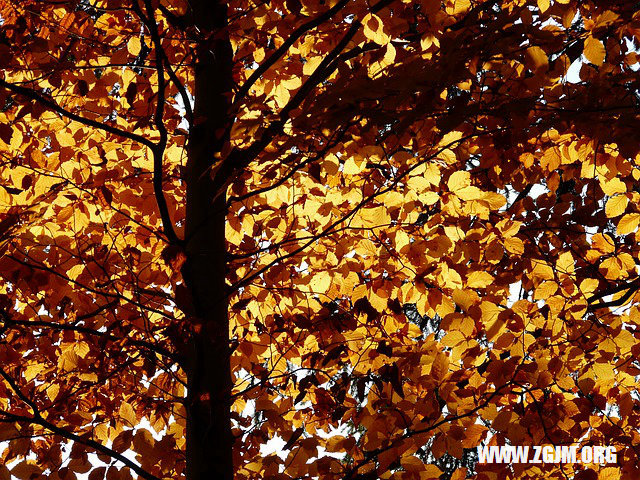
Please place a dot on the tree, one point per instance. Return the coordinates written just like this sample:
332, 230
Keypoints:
379, 233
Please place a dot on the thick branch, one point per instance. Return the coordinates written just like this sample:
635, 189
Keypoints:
14, 386
51, 105
84, 441
632, 287
87, 331
158, 119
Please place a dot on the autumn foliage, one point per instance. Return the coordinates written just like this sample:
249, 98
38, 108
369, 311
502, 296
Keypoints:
296, 239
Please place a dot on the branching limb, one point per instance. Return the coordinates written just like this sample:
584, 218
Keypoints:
98, 447
51, 105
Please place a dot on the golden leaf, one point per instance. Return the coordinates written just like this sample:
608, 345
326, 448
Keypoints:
52, 391
440, 366
430, 472
470, 193
543, 5
628, 223
127, 413
613, 186
616, 206
320, 282
134, 45
545, 290
311, 64
455, 7
479, 280
373, 29
514, 245
594, 51
609, 473
588, 285
459, 180
538, 57
16, 139
565, 263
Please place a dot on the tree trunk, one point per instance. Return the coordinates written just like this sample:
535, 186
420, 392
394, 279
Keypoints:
209, 439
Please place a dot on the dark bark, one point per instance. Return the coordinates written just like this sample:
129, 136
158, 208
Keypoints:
209, 438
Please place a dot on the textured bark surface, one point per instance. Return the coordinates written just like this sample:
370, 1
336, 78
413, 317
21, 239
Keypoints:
209, 438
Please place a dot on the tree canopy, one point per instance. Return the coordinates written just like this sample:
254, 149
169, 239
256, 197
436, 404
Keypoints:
333, 239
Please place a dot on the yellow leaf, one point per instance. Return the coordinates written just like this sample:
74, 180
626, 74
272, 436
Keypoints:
430, 472
52, 391
628, 223
134, 45
514, 245
401, 240
428, 40
320, 282
613, 186
612, 268
311, 64
459, 180
603, 243
450, 277
610, 473
16, 139
376, 68
495, 200
373, 29
604, 371
258, 54
376, 217
452, 339
616, 206
440, 367
464, 298
538, 57
565, 263
429, 198
551, 159
626, 261
588, 285
292, 83
68, 360
390, 54
65, 138
432, 174
543, 5
101, 431
5, 197
479, 280
470, 193
545, 290
450, 139
127, 413
625, 340
281, 94
354, 165
594, 51
458, 6
81, 348
32, 371
490, 314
